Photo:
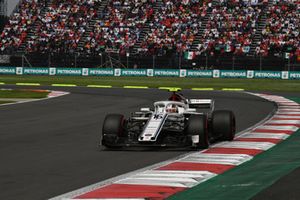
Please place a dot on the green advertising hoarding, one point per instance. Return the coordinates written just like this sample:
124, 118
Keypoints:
294, 75
35, 71
249, 74
233, 74
267, 74
166, 72
133, 72
8, 70
199, 73
101, 72
69, 71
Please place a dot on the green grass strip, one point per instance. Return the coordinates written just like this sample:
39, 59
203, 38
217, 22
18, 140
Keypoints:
203, 89
135, 87
245, 181
28, 84
99, 86
233, 89
1, 83
63, 85
5, 102
155, 82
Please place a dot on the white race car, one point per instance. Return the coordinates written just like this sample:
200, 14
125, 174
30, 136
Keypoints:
176, 122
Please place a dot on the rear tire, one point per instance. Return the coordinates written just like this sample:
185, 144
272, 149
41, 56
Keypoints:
223, 125
197, 126
113, 129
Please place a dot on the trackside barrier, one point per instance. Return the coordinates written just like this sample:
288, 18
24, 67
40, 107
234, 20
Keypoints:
245, 74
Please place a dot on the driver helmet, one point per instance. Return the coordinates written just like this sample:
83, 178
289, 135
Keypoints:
172, 109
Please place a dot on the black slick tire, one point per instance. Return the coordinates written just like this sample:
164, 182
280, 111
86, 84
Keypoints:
223, 125
113, 128
197, 125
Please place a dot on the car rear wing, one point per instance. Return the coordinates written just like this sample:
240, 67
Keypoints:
201, 103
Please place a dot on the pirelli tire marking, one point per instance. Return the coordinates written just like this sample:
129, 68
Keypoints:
165, 179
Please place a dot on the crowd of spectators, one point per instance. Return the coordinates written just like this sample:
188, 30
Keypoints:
171, 26
120, 26
281, 34
231, 27
175, 25
61, 26
19, 24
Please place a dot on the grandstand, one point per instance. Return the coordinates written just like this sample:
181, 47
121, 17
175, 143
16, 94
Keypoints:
3, 7
3, 14
228, 34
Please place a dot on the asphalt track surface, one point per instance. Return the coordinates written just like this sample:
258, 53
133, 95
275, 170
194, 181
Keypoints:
50, 147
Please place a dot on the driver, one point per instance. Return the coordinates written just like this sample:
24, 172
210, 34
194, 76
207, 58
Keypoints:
172, 109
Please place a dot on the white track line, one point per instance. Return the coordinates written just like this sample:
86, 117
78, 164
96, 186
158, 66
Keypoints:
54, 95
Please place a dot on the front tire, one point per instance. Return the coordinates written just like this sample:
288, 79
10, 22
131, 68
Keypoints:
223, 125
113, 129
197, 126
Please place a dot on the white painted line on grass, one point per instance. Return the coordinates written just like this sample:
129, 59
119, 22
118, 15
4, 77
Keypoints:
99, 86
63, 85
28, 84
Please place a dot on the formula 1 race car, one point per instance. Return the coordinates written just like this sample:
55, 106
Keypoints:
176, 122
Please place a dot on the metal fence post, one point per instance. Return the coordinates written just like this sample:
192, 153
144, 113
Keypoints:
101, 55
22, 60
127, 56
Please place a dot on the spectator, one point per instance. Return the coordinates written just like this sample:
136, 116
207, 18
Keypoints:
62, 26
281, 34
15, 32
175, 26
231, 27
120, 26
